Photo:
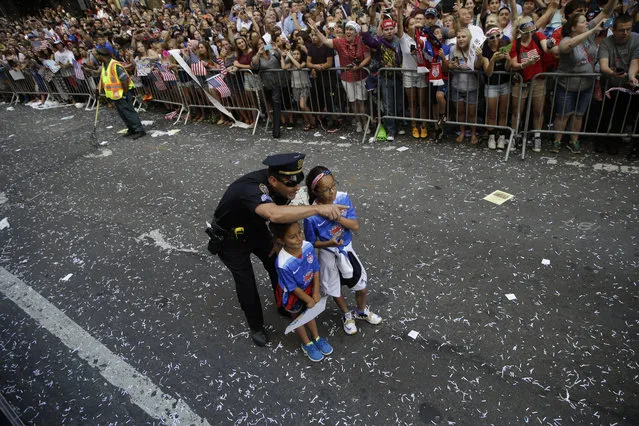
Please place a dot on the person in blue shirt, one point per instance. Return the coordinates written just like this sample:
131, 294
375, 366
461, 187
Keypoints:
298, 284
338, 262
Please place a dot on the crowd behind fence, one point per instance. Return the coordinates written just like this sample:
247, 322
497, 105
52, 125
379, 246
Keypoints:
388, 108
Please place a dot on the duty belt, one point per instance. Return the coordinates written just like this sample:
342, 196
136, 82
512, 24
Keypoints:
216, 230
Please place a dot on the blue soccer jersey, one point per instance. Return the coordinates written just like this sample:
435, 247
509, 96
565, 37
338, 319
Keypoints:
294, 272
320, 228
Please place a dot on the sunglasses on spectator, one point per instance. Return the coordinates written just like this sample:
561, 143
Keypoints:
494, 36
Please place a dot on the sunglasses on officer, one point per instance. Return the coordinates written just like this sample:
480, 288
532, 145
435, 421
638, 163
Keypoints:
287, 182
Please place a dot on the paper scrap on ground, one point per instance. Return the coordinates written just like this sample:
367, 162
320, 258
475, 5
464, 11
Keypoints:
147, 122
413, 334
308, 315
109, 127
402, 148
545, 262
66, 277
498, 197
104, 143
511, 296
157, 133
123, 131
68, 117
10, 108
102, 152
3, 198
4, 223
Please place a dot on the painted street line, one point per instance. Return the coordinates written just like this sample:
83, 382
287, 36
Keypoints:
142, 391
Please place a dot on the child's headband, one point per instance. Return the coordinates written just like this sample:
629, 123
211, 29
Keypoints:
318, 177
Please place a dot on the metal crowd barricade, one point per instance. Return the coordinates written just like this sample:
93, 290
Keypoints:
326, 88
5, 89
394, 104
237, 93
163, 88
605, 112
33, 83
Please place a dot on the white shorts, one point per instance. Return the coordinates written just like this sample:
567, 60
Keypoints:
413, 79
329, 275
355, 90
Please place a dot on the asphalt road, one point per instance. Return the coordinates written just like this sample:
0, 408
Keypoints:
147, 313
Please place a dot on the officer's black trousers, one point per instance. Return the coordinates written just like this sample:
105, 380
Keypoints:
129, 115
236, 255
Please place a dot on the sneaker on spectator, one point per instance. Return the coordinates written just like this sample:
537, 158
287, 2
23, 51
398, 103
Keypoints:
349, 323
492, 144
358, 127
323, 346
415, 132
368, 316
401, 131
574, 147
423, 133
311, 351
390, 138
556, 146
501, 142
537, 145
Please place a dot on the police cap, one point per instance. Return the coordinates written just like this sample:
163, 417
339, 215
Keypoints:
288, 165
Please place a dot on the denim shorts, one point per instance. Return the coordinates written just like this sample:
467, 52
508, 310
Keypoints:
567, 102
470, 96
496, 90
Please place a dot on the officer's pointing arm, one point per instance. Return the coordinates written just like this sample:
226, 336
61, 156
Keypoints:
287, 214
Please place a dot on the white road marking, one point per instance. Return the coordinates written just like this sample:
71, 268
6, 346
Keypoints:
142, 391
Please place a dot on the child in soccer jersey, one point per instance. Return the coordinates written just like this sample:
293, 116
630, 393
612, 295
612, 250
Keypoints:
332, 238
298, 279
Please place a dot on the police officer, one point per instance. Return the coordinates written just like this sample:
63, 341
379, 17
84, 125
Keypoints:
239, 227
117, 85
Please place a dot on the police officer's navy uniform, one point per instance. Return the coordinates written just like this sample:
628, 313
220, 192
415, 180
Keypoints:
246, 232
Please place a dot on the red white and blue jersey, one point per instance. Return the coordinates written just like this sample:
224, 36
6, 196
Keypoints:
320, 228
295, 272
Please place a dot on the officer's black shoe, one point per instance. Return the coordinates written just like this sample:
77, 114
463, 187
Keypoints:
129, 134
276, 134
138, 135
259, 337
283, 312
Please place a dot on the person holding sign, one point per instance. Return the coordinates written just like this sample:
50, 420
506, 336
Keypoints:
298, 284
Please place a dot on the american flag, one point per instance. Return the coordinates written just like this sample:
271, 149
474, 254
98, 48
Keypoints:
77, 69
167, 75
217, 82
44, 45
220, 62
197, 66
157, 80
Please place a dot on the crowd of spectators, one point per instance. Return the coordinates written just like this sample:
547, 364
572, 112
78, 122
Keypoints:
429, 40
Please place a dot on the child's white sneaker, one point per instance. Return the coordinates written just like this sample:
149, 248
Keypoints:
367, 315
349, 323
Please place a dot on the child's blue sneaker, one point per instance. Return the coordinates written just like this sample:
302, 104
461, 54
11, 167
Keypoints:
323, 346
312, 352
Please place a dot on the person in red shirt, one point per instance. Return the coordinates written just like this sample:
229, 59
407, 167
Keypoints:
354, 55
526, 56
